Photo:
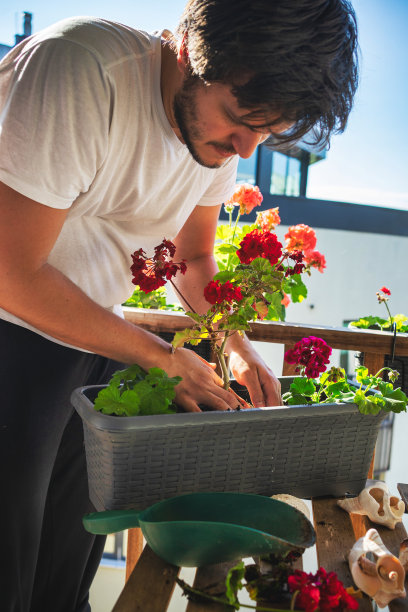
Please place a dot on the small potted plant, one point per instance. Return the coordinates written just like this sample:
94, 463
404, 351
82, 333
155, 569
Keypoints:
395, 324
318, 386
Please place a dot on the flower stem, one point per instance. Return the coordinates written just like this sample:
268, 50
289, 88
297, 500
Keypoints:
389, 314
223, 365
233, 236
191, 591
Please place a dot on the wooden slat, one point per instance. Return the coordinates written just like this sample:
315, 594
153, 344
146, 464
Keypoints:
335, 539
134, 549
205, 577
150, 586
281, 332
373, 362
403, 491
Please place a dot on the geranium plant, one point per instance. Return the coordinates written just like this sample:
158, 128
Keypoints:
397, 322
242, 292
281, 585
318, 386
299, 238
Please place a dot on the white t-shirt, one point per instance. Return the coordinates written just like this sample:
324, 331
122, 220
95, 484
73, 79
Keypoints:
82, 126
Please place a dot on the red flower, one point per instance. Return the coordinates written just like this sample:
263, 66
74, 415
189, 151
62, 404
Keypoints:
246, 196
323, 591
301, 238
385, 290
217, 293
150, 274
316, 260
311, 354
259, 243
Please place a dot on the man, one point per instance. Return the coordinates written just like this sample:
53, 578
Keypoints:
111, 140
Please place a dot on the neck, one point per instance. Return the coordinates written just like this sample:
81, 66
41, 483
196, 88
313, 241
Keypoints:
171, 77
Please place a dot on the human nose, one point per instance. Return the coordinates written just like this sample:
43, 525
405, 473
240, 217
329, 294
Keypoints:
245, 141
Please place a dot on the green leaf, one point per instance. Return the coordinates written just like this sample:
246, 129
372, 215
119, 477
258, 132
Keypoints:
233, 583
186, 335
395, 399
294, 399
224, 232
262, 265
141, 392
108, 401
370, 404
369, 322
224, 276
276, 310
226, 248
295, 287
362, 375
131, 401
303, 386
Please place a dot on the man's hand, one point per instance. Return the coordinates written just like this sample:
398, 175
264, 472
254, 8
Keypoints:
251, 371
199, 384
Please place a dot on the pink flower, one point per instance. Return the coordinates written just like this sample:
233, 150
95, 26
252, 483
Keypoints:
315, 259
301, 238
286, 300
246, 196
150, 274
268, 219
259, 243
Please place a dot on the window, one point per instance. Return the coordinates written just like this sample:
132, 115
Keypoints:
246, 172
285, 175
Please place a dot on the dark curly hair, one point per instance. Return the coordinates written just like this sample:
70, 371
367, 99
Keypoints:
294, 60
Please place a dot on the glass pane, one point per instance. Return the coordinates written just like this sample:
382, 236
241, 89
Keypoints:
285, 178
279, 170
246, 172
293, 179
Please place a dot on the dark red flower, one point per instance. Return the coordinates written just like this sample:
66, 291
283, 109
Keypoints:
217, 293
150, 274
259, 243
311, 355
323, 591
385, 290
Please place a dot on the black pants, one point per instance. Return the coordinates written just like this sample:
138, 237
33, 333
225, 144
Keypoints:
47, 559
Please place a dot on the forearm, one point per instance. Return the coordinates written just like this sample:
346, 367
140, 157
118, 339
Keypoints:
189, 287
50, 302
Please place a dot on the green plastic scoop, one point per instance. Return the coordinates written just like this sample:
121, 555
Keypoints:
205, 528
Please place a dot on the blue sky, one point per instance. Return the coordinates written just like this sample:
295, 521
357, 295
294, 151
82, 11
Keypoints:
368, 163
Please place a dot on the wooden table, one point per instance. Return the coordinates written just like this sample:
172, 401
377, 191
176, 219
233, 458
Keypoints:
151, 584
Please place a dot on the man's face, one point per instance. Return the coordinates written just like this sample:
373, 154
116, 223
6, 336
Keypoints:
211, 123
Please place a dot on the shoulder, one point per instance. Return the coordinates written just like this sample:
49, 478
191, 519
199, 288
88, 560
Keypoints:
108, 42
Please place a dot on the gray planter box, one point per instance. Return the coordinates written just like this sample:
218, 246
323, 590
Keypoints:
305, 451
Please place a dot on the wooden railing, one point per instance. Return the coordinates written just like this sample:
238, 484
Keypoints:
374, 344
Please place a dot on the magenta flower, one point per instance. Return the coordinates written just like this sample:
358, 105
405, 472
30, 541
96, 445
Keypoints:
311, 355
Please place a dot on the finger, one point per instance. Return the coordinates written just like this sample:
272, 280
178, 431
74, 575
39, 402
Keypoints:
272, 392
188, 404
264, 390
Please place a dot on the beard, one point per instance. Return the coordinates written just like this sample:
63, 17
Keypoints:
185, 114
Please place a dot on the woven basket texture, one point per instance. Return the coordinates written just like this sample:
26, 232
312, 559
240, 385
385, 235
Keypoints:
308, 451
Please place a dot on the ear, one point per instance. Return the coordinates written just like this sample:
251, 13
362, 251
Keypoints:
183, 62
